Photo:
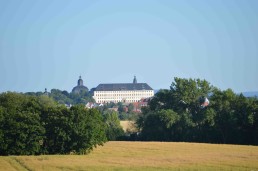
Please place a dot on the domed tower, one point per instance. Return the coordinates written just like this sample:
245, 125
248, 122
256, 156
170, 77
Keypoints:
80, 87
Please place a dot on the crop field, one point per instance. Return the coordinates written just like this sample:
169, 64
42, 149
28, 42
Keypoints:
143, 156
128, 126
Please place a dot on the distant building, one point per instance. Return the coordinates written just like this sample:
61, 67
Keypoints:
141, 103
90, 105
46, 93
123, 92
80, 87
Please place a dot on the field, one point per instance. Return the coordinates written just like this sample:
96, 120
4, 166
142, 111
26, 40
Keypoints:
128, 126
143, 156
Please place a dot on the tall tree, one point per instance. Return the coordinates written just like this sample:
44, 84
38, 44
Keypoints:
21, 132
88, 129
113, 127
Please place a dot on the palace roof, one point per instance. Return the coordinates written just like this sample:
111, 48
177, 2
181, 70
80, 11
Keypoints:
123, 87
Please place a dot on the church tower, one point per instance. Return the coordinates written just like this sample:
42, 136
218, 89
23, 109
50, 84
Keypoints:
80, 87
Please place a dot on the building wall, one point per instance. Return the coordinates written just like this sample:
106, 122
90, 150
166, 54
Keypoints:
121, 96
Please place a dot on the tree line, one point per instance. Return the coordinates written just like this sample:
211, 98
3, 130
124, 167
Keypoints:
177, 114
31, 125
63, 97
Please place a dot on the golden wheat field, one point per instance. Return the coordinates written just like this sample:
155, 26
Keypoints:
128, 126
143, 156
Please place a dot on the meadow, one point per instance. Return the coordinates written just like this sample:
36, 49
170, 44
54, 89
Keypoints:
118, 156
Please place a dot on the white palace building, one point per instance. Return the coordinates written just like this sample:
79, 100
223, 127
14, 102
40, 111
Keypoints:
124, 92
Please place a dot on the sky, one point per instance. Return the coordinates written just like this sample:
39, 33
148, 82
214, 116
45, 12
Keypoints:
50, 43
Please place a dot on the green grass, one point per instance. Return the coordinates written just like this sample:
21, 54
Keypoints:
144, 156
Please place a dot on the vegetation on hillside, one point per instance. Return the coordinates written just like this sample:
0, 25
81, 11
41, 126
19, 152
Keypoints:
63, 97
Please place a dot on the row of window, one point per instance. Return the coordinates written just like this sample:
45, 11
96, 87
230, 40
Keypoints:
115, 95
109, 98
116, 101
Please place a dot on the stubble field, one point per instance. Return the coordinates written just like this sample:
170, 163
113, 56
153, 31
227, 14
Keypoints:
143, 156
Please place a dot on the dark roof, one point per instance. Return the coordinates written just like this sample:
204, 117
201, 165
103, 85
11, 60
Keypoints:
123, 87
77, 89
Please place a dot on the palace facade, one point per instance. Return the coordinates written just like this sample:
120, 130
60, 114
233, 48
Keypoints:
123, 92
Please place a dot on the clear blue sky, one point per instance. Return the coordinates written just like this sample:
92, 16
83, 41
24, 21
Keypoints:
49, 44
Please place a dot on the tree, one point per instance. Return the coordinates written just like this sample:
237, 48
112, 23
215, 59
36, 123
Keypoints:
178, 115
81, 98
73, 130
225, 119
162, 100
58, 130
60, 96
120, 107
113, 127
130, 108
88, 129
32, 124
186, 94
158, 125
20, 129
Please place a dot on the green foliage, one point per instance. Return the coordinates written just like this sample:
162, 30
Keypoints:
73, 130
177, 115
63, 97
38, 125
80, 98
88, 129
20, 127
157, 125
113, 127
130, 108
58, 130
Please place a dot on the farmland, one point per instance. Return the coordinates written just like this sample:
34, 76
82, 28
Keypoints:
144, 156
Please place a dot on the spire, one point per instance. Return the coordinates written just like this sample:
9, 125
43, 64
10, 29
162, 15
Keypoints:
135, 80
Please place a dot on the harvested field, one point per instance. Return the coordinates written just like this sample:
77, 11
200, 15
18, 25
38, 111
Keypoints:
144, 156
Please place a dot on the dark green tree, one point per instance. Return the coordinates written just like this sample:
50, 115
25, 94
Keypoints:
88, 129
76, 129
21, 132
56, 121
158, 125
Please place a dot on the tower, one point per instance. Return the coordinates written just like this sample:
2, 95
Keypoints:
134, 80
80, 87
80, 81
